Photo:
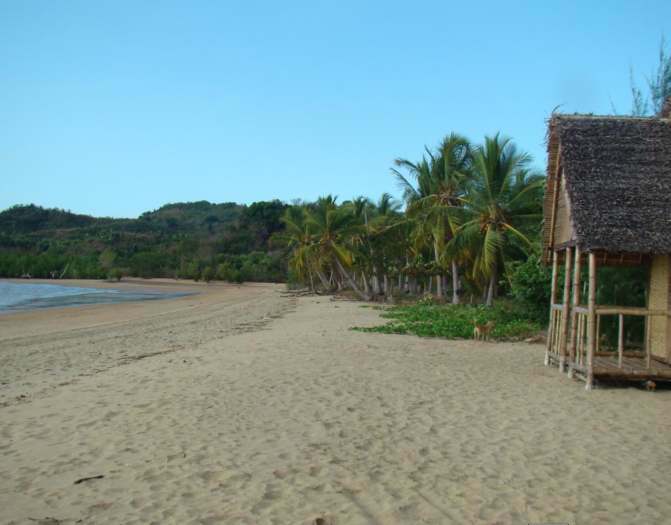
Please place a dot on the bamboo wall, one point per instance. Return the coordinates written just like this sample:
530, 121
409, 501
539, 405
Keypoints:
660, 299
564, 224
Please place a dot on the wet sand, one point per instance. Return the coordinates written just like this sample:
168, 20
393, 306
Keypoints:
242, 405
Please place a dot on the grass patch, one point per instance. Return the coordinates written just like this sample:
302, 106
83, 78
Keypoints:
427, 319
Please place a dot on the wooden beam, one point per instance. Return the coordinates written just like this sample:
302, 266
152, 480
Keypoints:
634, 354
591, 307
574, 314
553, 298
563, 331
555, 197
620, 340
627, 310
648, 341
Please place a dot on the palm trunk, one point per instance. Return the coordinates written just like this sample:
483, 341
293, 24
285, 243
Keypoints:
365, 283
376, 282
491, 290
439, 278
455, 283
312, 281
323, 280
385, 283
350, 281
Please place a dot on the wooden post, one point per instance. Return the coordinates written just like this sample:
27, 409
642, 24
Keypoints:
563, 331
620, 340
553, 298
574, 315
648, 340
581, 340
591, 307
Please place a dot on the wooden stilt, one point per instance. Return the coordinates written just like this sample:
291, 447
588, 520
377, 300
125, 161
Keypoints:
553, 298
581, 340
574, 315
563, 331
620, 340
648, 341
591, 307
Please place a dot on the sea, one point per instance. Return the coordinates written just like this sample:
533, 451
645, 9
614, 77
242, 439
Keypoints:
29, 296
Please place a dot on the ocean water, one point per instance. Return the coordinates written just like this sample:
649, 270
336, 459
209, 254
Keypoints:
29, 296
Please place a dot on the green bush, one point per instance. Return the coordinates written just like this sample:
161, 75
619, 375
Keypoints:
530, 287
207, 274
115, 274
455, 321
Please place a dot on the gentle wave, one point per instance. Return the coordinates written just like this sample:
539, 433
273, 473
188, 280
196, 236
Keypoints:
29, 296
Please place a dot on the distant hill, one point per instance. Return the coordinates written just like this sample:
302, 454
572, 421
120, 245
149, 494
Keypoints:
184, 239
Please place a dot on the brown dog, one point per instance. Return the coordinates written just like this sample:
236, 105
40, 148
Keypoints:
482, 332
650, 385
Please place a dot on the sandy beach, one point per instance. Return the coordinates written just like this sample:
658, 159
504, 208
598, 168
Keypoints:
242, 405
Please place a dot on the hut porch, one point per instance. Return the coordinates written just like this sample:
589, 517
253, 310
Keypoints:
607, 203
574, 332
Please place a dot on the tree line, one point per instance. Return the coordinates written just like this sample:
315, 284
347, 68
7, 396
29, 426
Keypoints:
470, 213
198, 240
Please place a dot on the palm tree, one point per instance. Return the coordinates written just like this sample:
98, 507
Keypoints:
502, 205
441, 184
385, 217
334, 229
299, 238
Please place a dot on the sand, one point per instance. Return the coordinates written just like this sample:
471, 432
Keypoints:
240, 405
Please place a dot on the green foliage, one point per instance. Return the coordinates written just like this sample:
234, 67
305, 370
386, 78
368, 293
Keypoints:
454, 321
624, 286
177, 240
658, 84
530, 287
106, 259
115, 274
208, 274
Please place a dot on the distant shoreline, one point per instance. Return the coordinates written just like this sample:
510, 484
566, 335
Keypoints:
22, 295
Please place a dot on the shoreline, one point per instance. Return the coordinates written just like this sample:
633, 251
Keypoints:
20, 323
90, 293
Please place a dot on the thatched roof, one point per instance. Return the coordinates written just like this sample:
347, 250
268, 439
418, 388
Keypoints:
618, 179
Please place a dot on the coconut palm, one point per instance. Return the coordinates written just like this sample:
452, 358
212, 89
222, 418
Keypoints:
441, 181
299, 238
334, 229
502, 206
384, 243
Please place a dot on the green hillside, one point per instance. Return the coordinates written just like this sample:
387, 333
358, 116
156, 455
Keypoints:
187, 240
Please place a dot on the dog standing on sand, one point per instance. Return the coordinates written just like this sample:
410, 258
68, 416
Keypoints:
482, 332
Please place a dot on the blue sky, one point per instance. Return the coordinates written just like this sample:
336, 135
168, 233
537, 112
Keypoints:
114, 108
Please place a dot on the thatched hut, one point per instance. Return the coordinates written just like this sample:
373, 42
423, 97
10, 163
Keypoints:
608, 202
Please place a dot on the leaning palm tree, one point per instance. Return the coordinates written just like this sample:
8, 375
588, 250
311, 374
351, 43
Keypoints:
502, 205
334, 228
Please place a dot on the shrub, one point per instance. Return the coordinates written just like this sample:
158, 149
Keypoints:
530, 287
208, 274
115, 274
454, 321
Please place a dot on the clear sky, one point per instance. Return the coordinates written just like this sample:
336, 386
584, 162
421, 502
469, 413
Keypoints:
115, 108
